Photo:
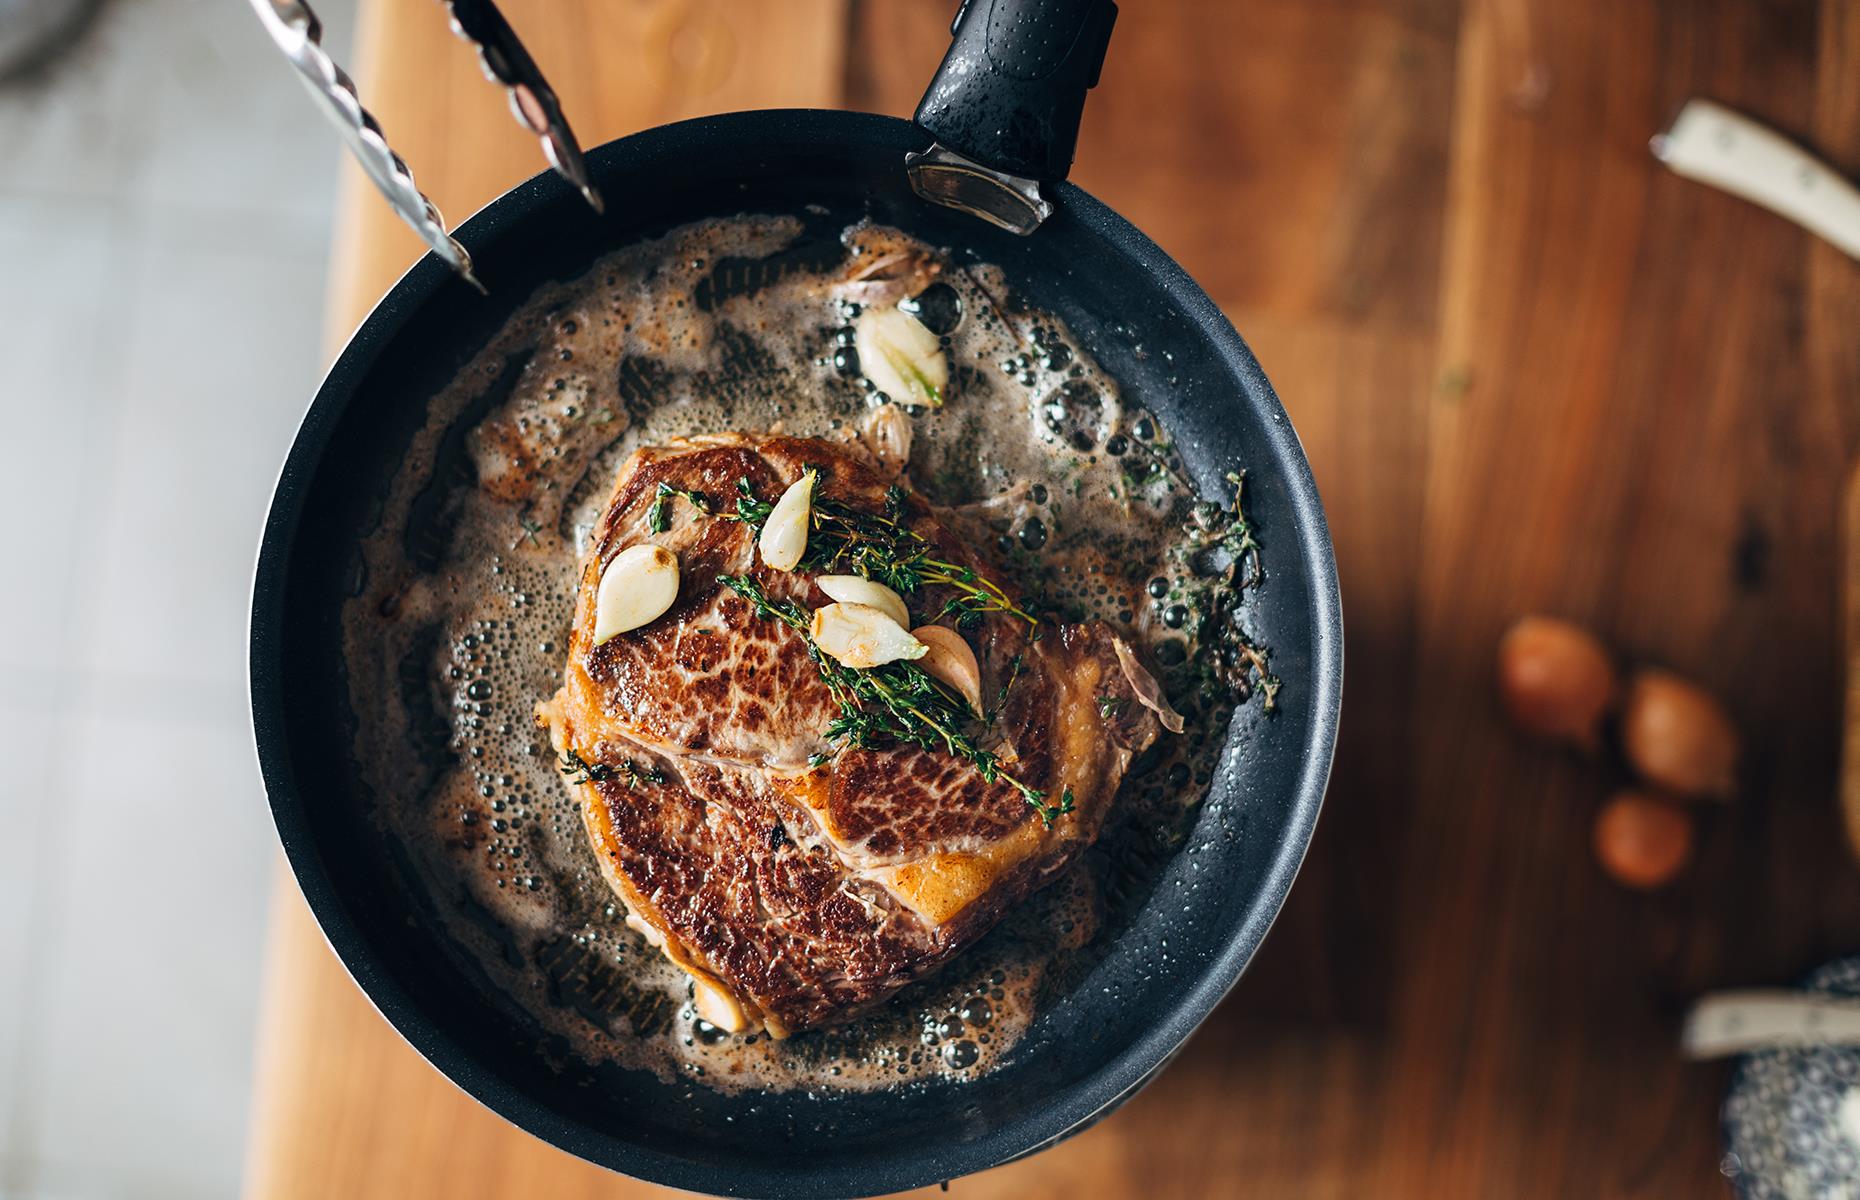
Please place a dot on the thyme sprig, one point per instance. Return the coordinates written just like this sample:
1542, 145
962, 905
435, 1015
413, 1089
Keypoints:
659, 516
1231, 662
577, 769
896, 702
882, 547
1015, 666
1239, 538
750, 510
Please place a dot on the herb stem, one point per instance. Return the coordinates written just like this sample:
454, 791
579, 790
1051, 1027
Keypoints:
898, 700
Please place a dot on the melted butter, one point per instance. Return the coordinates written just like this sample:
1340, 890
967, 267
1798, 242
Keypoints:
461, 624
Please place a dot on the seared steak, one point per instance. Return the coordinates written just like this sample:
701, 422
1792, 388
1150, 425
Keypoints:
800, 878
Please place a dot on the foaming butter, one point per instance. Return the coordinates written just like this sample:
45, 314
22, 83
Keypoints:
461, 624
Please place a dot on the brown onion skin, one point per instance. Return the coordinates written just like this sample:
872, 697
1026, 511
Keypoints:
1556, 681
1642, 841
1677, 737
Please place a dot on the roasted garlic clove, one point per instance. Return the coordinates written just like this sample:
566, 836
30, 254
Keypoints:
887, 434
784, 534
636, 588
717, 1006
858, 635
950, 660
856, 589
901, 357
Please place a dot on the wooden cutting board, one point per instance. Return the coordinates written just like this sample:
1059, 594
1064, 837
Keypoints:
1533, 372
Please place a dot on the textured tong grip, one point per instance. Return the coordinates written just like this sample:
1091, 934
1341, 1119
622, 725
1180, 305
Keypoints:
297, 32
506, 61
1012, 87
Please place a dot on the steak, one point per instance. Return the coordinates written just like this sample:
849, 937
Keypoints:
799, 877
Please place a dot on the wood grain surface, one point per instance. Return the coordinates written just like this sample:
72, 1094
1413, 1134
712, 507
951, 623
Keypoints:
1534, 372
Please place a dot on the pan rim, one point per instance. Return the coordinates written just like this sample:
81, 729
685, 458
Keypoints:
1114, 1079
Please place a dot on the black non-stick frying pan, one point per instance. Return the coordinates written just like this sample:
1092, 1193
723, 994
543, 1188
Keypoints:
1003, 112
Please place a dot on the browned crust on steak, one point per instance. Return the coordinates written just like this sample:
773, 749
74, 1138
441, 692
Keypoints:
808, 891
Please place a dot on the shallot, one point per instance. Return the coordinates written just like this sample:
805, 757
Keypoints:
1556, 681
1642, 841
1678, 737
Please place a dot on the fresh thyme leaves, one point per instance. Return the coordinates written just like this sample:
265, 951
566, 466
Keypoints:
880, 546
1221, 541
1013, 673
1142, 476
1239, 539
1112, 706
788, 612
530, 530
1052, 812
896, 702
601, 416
750, 510
578, 770
659, 516
883, 548
635, 775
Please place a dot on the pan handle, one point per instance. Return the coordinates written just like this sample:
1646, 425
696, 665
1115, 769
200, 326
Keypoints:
1004, 106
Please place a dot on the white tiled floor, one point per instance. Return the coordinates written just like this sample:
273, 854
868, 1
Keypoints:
164, 206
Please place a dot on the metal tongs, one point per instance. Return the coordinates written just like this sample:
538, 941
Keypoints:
297, 32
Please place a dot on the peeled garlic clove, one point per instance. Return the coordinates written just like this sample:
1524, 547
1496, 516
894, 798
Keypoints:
900, 356
636, 588
858, 635
949, 660
856, 589
784, 534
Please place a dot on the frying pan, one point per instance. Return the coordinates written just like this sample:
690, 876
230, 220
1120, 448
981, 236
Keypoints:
1002, 115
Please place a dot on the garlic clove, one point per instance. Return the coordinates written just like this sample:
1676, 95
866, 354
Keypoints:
858, 635
784, 534
856, 589
716, 1005
901, 357
887, 434
950, 660
636, 588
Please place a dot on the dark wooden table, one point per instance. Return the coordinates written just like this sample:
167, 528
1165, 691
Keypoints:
1533, 372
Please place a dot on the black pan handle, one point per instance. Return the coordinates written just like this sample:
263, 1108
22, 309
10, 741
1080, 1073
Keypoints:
1005, 105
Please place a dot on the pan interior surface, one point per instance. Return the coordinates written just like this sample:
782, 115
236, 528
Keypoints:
1147, 325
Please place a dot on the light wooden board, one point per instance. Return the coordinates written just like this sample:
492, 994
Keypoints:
1533, 372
